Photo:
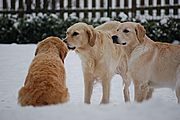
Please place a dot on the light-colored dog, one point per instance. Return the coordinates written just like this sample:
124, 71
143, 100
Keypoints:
150, 64
45, 83
99, 56
110, 27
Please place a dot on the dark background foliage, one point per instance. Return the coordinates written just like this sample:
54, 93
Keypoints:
32, 29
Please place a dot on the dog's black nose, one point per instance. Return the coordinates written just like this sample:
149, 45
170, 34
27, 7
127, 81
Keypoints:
115, 39
65, 40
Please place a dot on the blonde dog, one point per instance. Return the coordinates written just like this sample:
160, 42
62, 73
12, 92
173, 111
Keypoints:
99, 56
150, 64
110, 27
45, 83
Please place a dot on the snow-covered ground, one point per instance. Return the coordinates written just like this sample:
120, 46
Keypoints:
14, 63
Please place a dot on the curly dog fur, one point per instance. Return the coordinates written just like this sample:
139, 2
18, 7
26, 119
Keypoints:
45, 83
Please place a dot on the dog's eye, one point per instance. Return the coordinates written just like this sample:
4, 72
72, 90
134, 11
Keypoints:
117, 30
125, 31
75, 34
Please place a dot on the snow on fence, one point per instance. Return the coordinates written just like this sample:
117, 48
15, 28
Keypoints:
149, 9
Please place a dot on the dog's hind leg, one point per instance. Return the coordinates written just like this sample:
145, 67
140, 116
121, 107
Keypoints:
149, 93
178, 84
140, 91
178, 93
126, 90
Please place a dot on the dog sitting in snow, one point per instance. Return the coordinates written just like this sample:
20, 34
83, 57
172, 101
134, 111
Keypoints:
45, 83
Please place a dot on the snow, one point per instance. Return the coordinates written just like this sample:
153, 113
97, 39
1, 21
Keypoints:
123, 16
14, 62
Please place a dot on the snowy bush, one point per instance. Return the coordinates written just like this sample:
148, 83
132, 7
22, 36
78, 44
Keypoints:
8, 32
33, 28
164, 30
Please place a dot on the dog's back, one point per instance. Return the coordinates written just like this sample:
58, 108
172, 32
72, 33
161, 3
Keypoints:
45, 82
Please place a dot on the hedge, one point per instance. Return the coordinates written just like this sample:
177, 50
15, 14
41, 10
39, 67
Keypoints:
32, 29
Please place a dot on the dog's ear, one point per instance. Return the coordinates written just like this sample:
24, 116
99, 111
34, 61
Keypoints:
91, 35
63, 52
140, 32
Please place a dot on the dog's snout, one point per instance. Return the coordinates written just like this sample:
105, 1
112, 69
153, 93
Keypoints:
65, 40
115, 39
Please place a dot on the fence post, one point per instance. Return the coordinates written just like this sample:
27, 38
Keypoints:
13, 4
69, 6
77, 7
38, 7
45, 5
28, 4
150, 9
109, 5
85, 6
53, 5
133, 8
117, 6
167, 9
5, 4
21, 8
175, 11
142, 4
126, 3
61, 9
93, 6
158, 9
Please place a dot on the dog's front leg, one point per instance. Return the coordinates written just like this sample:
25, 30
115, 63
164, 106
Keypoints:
106, 91
88, 87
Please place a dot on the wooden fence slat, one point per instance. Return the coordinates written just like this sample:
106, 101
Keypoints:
126, 6
93, 8
77, 6
101, 6
142, 4
37, 5
45, 4
28, 5
53, 5
117, 6
167, 10
85, 6
13, 2
108, 8
150, 4
69, 6
175, 10
61, 2
133, 8
158, 9
21, 8
5, 4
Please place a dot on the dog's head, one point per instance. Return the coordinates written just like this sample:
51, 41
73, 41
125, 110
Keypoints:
80, 35
53, 43
129, 33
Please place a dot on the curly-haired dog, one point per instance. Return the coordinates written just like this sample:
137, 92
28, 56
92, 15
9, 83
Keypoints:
150, 64
45, 83
99, 56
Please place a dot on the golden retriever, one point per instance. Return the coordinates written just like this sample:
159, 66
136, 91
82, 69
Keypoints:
45, 83
150, 64
99, 57
110, 26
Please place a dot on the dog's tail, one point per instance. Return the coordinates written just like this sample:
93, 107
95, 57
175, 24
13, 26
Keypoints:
44, 94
